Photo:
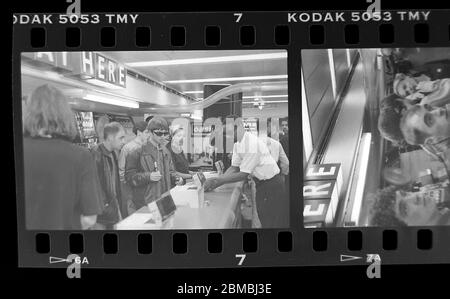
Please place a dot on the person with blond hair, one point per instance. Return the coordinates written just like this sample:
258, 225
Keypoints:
60, 181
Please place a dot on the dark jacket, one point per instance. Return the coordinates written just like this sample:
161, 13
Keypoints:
139, 164
106, 161
60, 184
180, 162
284, 140
438, 69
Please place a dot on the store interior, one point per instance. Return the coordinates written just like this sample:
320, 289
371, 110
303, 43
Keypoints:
165, 83
345, 90
187, 88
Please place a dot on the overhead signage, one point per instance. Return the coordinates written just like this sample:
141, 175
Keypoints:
321, 186
91, 66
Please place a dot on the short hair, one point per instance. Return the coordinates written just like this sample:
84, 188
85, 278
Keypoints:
47, 112
148, 118
176, 130
158, 123
383, 209
389, 119
111, 129
140, 126
412, 135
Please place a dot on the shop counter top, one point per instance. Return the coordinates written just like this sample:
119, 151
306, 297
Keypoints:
220, 213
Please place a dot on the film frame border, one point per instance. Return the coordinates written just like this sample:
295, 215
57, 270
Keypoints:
310, 247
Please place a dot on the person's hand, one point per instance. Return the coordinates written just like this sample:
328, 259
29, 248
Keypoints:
179, 181
211, 184
155, 176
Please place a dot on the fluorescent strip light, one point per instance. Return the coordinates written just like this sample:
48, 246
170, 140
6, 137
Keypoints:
193, 91
219, 59
111, 101
257, 97
306, 124
349, 61
267, 96
250, 78
332, 72
268, 102
361, 173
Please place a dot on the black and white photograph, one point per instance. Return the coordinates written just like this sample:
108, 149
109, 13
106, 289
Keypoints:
155, 140
376, 133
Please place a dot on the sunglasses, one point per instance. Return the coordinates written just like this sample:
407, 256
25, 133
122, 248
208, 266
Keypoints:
161, 133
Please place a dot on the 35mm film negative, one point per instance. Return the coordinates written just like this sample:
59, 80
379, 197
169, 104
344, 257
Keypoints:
172, 140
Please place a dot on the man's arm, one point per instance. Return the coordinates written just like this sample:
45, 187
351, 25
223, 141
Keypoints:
172, 171
134, 176
122, 161
284, 161
233, 174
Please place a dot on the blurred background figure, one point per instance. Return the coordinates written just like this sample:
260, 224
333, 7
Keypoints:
61, 185
179, 159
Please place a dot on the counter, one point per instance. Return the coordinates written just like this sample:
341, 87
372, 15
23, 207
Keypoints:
223, 212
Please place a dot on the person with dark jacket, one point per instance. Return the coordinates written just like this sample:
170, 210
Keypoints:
149, 169
284, 137
140, 130
61, 186
108, 174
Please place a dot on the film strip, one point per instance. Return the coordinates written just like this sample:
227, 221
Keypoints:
109, 47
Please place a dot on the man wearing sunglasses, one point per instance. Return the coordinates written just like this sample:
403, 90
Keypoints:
149, 169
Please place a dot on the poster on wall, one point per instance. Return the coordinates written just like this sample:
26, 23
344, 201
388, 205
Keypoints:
86, 128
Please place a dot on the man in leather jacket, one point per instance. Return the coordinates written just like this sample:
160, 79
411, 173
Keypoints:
149, 169
108, 174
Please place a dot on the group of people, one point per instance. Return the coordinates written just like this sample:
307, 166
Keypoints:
264, 160
70, 187
417, 115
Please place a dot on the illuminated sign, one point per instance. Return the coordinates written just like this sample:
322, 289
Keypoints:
317, 213
251, 125
201, 130
58, 61
322, 183
93, 67
101, 68
318, 172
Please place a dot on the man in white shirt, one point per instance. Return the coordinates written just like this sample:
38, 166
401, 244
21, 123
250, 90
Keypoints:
251, 156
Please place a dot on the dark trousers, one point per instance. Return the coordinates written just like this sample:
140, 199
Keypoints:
127, 195
272, 203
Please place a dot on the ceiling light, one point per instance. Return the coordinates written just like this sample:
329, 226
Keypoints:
203, 60
267, 96
111, 101
250, 78
193, 91
268, 102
